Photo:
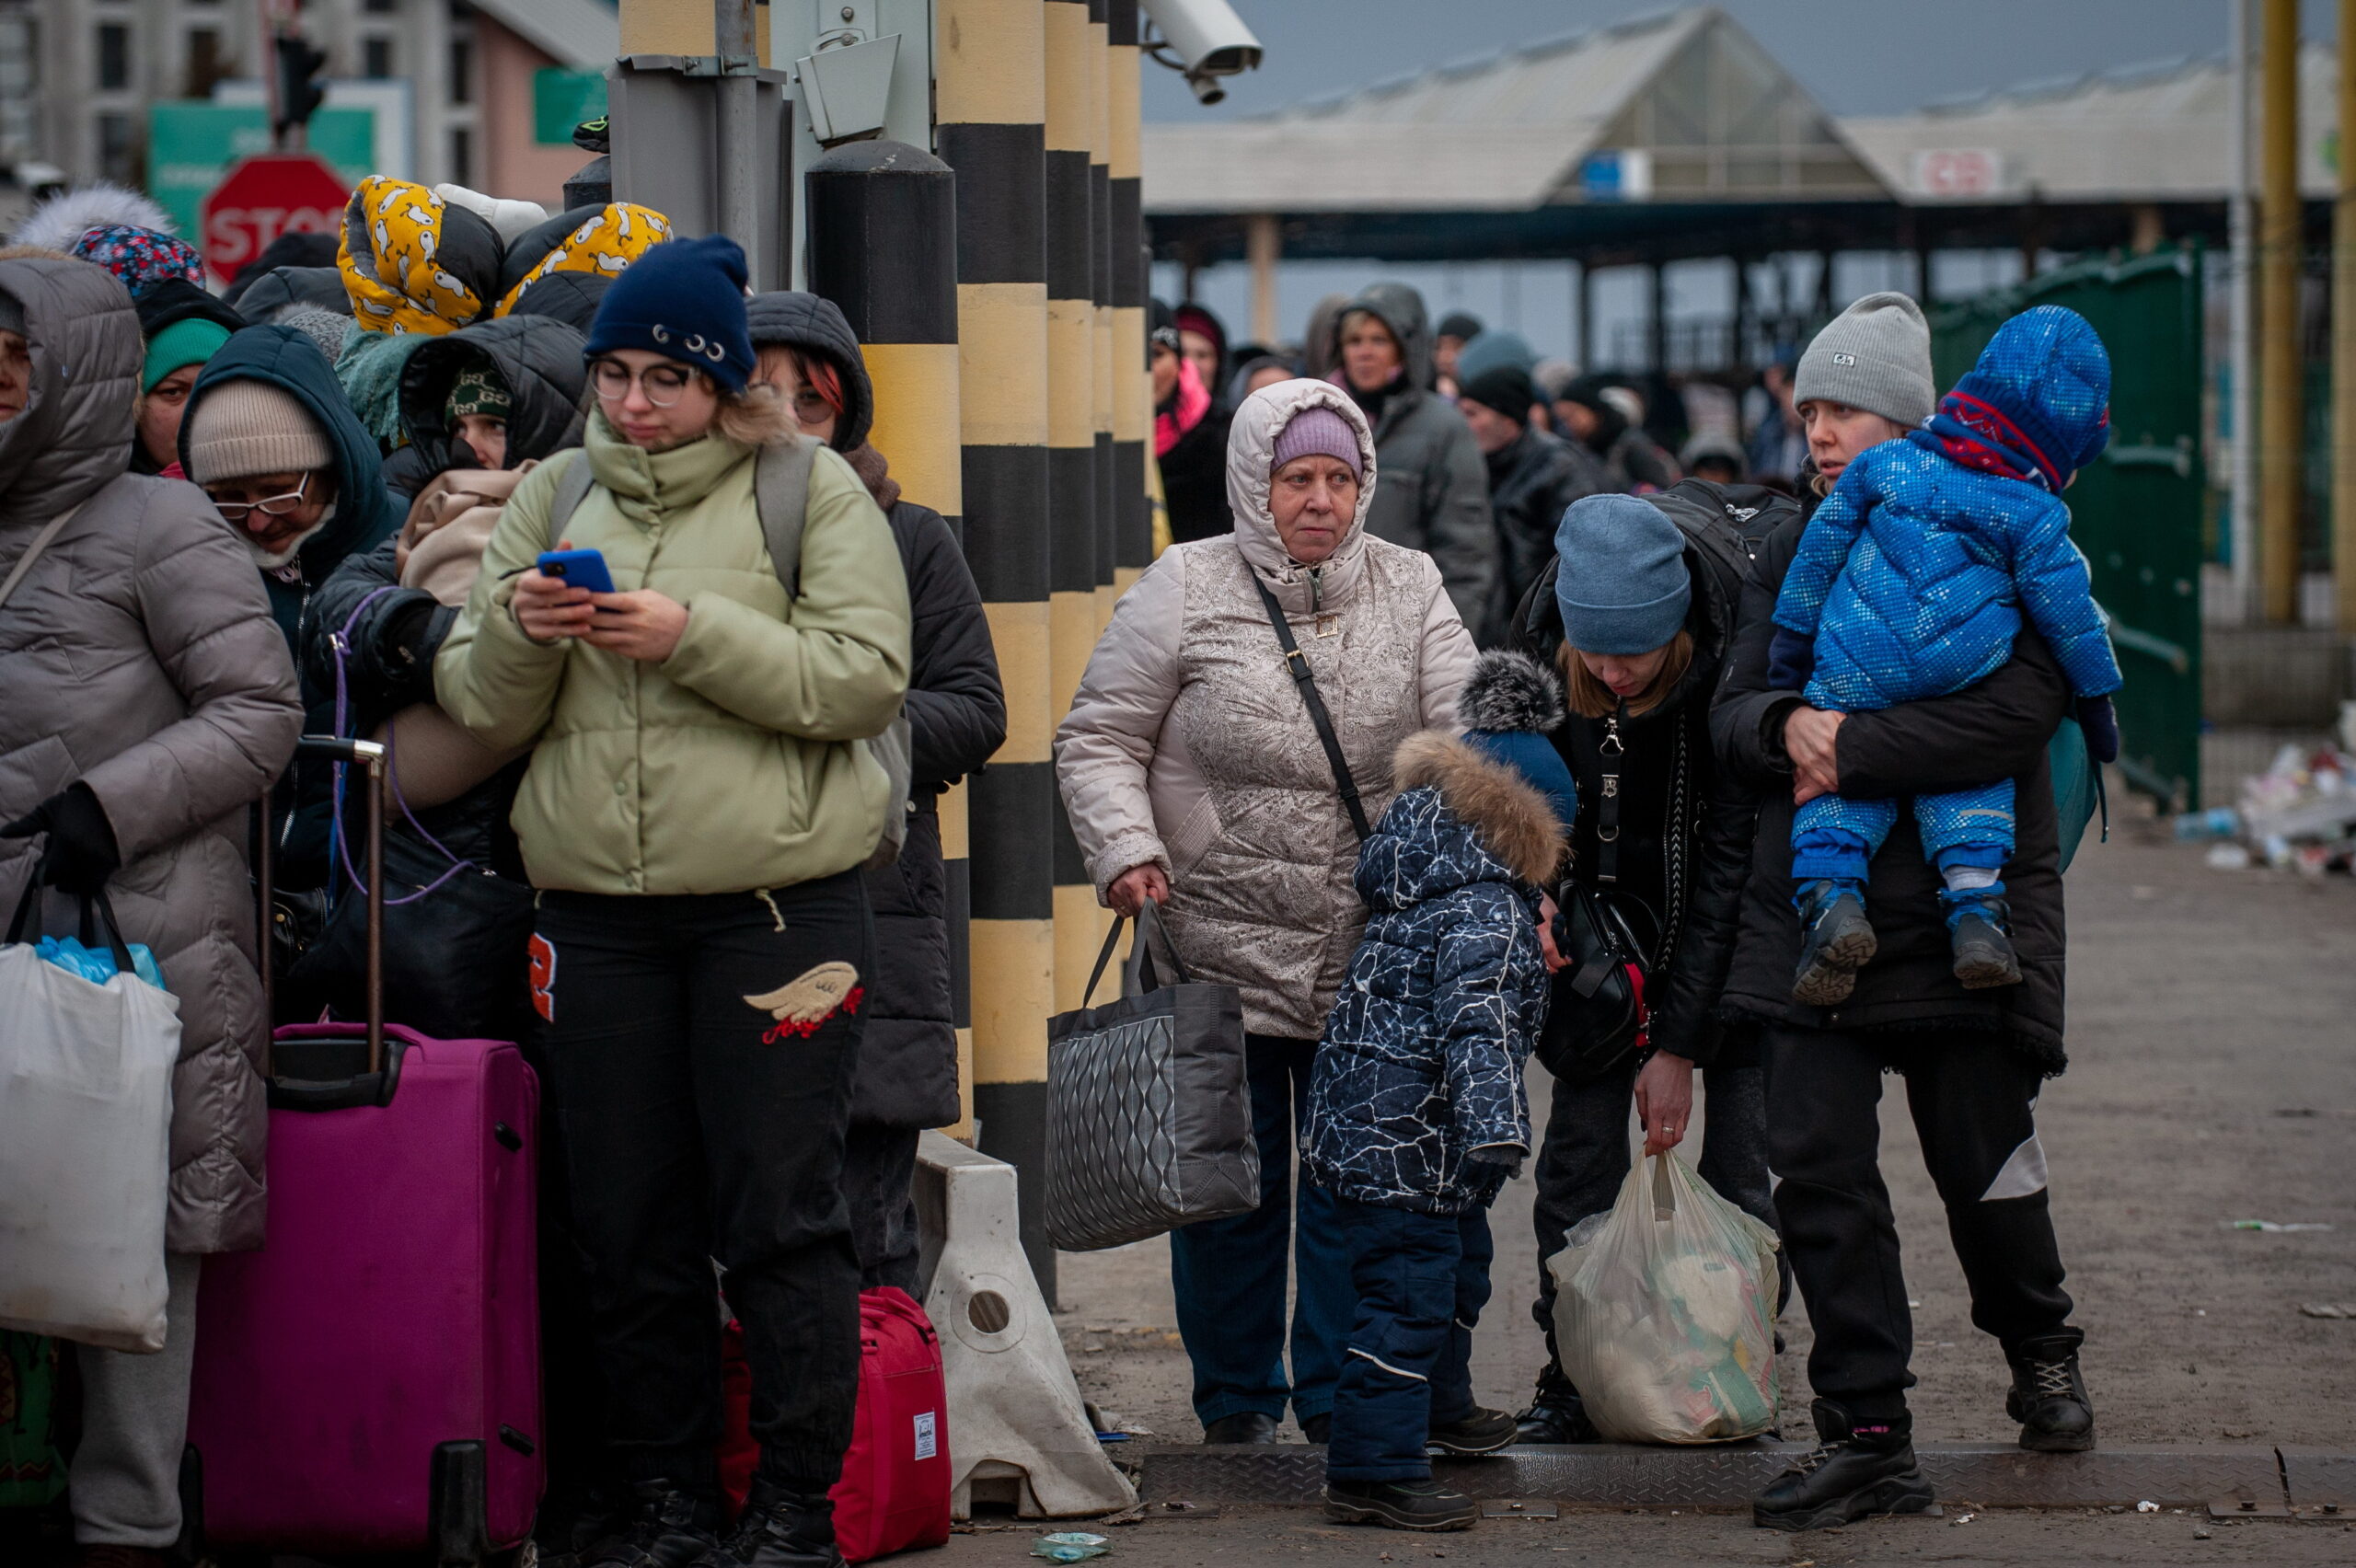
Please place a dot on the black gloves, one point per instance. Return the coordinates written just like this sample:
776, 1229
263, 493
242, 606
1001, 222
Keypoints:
2099, 720
1791, 659
81, 853
408, 633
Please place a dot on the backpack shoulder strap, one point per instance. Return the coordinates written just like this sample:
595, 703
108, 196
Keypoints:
572, 489
781, 495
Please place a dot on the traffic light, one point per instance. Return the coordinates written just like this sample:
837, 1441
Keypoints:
299, 89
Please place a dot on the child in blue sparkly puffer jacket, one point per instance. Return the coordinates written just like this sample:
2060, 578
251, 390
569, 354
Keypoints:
1910, 582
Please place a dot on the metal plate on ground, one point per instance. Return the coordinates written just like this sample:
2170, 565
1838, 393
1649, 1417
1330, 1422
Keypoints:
1517, 1508
2248, 1508
2319, 1476
1627, 1476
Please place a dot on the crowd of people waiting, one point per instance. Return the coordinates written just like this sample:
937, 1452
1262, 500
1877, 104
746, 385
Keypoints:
629, 822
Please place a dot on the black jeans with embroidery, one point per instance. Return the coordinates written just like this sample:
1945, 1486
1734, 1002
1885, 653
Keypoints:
700, 1124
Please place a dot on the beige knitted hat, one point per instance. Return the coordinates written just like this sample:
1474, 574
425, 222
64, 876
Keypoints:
251, 427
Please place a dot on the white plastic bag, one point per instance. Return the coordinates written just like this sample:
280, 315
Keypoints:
85, 1110
1664, 1310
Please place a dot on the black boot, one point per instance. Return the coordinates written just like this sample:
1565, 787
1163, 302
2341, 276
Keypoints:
1317, 1428
1557, 1413
662, 1525
1984, 958
780, 1528
1851, 1475
1479, 1431
2049, 1398
1244, 1426
1836, 941
1401, 1504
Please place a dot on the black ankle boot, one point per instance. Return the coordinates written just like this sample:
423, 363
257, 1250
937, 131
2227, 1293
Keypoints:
1836, 941
2049, 1398
780, 1528
1984, 958
1557, 1413
662, 1525
1401, 1504
1851, 1475
1244, 1426
1479, 1431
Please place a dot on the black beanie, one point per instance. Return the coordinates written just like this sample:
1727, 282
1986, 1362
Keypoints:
1503, 388
1459, 324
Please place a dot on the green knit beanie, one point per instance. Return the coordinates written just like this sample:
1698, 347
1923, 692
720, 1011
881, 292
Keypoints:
185, 342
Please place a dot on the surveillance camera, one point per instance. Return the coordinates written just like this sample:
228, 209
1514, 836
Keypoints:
1206, 37
1207, 91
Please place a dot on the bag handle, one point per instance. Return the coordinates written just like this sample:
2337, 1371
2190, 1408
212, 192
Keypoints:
97, 901
1149, 914
1297, 665
1664, 1193
369, 757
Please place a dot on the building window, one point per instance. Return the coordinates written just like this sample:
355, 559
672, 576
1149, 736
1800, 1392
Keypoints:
377, 58
118, 149
462, 156
207, 62
114, 57
462, 70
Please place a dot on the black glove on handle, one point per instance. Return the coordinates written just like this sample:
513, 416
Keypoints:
81, 853
2100, 718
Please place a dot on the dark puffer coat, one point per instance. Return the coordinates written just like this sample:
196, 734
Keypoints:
536, 358
956, 709
1416, 1100
1996, 729
1194, 478
1532, 482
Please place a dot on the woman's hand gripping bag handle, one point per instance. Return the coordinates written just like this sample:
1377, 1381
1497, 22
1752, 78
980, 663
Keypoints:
1664, 1312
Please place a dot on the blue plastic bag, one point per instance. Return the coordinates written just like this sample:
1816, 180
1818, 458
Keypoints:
96, 964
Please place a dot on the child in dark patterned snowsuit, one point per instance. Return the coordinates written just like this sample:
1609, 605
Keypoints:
1417, 1111
1911, 581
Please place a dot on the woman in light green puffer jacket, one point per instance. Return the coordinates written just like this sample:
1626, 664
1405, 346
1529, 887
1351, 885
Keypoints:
697, 808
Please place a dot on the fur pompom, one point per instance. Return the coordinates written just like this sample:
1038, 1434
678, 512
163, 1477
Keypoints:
57, 222
1510, 691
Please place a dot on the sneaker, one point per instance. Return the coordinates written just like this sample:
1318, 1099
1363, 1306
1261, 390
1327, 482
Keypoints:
1479, 1431
1984, 958
1851, 1475
1836, 941
662, 1525
2049, 1398
1400, 1504
1555, 1413
780, 1528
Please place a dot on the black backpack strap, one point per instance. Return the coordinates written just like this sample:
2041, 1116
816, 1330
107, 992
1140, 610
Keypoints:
1296, 665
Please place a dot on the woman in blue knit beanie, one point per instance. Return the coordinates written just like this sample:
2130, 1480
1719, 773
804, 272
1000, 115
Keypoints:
699, 805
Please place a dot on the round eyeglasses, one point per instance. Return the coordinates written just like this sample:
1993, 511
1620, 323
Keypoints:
663, 384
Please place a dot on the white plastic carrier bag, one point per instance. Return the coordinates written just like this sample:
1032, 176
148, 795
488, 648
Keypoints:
1664, 1310
85, 1110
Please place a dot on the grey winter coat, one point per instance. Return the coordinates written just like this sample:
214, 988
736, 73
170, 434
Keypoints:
1188, 747
139, 658
1436, 493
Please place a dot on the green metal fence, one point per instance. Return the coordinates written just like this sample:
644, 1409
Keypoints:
2136, 514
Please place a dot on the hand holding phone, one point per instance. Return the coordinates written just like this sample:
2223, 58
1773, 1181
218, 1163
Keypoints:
551, 606
579, 569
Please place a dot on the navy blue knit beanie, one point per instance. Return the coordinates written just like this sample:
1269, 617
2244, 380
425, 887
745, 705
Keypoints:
1621, 584
683, 299
1509, 703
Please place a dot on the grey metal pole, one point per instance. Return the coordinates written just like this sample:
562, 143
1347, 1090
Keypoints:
2242, 287
738, 110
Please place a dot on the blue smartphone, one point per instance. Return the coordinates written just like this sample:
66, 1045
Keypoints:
580, 568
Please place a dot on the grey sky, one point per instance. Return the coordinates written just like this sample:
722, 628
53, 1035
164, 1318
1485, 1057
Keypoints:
1857, 56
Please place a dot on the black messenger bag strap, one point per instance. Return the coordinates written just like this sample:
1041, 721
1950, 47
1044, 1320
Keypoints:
1296, 665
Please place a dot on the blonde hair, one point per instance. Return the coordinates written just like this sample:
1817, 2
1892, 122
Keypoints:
1591, 698
758, 416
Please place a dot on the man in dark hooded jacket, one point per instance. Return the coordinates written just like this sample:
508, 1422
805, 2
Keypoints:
270, 437
1431, 489
1631, 462
1533, 477
535, 362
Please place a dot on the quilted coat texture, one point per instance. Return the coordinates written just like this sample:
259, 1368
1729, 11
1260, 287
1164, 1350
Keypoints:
139, 657
1187, 746
1416, 1099
1913, 575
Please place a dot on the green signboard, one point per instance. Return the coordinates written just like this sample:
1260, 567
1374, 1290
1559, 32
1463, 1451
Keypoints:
563, 99
191, 144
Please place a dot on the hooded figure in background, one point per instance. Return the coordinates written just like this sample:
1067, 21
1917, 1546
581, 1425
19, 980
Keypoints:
1434, 495
266, 422
184, 327
1632, 461
956, 709
1533, 477
528, 368
1189, 433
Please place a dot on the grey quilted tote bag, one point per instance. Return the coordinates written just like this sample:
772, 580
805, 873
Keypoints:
1148, 1112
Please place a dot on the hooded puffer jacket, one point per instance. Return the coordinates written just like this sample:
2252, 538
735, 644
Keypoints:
537, 359
1188, 747
1416, 1101
956, 709
1438, 500
139, 659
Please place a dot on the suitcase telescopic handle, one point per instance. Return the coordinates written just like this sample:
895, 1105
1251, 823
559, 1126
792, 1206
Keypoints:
370, 758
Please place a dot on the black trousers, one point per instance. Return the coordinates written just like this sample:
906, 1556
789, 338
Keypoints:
878, 1171
1973, 1099
699, 1124
1584, 1157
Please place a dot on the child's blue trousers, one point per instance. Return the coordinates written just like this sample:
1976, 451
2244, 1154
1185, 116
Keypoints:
1835, 836
1421, 1281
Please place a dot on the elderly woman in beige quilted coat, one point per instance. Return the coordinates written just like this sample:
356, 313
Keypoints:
1193, 776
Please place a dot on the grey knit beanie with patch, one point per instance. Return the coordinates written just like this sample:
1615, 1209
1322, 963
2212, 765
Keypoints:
1876, 355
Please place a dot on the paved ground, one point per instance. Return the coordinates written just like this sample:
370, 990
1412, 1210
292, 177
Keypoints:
2214, 1080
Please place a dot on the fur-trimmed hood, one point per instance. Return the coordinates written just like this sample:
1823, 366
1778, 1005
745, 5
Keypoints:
57, 222
1459, 818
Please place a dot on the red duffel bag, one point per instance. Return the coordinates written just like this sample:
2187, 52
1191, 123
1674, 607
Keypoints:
894, 1489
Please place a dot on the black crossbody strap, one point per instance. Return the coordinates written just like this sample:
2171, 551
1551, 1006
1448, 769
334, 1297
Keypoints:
1296, 665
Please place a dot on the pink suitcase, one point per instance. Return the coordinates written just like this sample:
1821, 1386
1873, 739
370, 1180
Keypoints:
370, 1380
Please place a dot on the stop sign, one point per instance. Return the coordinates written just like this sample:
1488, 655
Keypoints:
264, 197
